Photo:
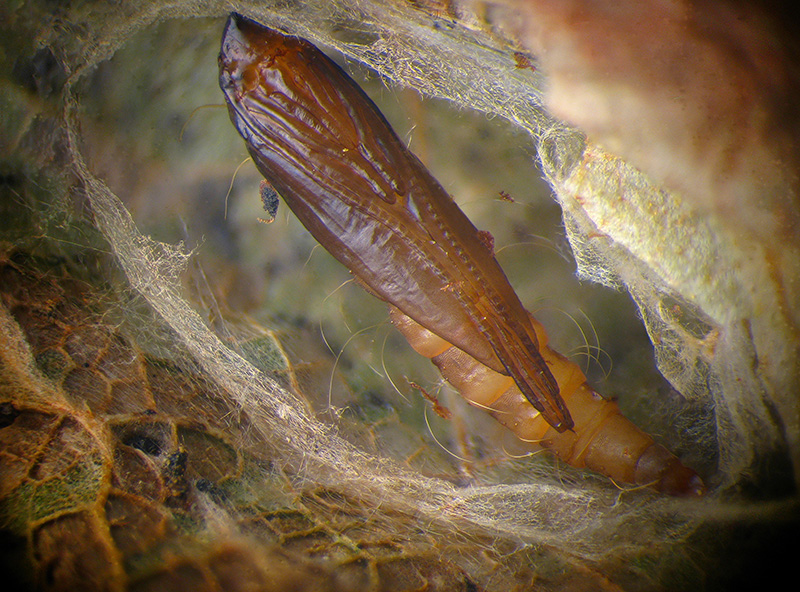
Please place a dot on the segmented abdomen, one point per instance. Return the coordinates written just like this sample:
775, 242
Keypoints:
602, 439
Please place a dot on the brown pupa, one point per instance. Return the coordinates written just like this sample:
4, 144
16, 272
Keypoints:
328, 151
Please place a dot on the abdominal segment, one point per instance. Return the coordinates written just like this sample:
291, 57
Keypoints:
602, 439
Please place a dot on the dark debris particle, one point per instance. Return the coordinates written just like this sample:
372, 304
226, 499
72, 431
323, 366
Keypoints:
176, 464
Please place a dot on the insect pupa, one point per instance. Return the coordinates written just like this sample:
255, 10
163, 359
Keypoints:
328, 151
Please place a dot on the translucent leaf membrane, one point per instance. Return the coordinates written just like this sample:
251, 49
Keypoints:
154, 437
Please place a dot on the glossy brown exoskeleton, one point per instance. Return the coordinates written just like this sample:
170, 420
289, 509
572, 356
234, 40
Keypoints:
328, 151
